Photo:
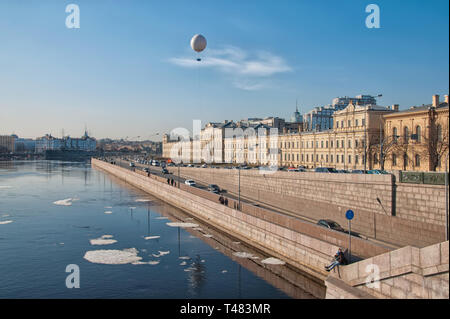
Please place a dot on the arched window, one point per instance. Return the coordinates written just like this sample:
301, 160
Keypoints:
406, 134
439, 132
418, 133
417, 160
395, 133
405, 161
394, 160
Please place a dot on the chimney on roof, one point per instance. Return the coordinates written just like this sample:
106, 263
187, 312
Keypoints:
435, 100
395, 107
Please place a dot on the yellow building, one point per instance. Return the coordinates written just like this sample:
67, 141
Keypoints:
417, 139
344, 147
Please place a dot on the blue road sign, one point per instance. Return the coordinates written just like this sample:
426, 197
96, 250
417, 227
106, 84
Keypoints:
349, 214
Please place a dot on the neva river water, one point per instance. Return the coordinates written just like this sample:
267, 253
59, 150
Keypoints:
50, 212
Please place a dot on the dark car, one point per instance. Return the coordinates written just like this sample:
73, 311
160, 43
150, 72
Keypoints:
330, 224
214, 188
357, 171
325, 170
164, 171
145, 169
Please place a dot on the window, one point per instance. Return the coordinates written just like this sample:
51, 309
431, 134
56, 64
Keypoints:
331, 159
337, 124
321, 144
307, 157
356, 123
418, 132
342, 144
327, 158
394, 133
405, 161
356, 159
349, 144
342, 124
302, 158
342, 158
394, 160
375, 159
349, 123
331, 144
317, 157
337, 144
327, 144
363, 122
356, 143
349, 159
417, 160
439, 132
406, 134
337, 158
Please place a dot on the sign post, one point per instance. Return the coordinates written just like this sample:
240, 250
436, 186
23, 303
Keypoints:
349, 215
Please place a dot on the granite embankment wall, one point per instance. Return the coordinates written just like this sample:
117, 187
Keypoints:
264, 232
408, 272
401, 214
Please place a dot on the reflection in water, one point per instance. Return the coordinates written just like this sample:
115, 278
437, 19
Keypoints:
40, 227
197, 276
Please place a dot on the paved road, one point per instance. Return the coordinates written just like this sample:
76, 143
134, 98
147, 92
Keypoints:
155, 170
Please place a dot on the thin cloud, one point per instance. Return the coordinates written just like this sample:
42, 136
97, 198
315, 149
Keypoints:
237, 62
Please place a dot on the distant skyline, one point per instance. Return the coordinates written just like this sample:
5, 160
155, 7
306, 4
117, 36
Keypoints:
129, 70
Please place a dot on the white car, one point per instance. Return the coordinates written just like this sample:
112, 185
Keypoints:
189, 182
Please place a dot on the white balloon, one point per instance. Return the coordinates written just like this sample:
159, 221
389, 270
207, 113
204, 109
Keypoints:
198, 43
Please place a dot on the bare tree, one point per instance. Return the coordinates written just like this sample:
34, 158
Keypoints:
436, 143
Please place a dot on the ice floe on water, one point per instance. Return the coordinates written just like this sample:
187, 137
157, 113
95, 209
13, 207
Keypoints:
5, 222
242, 254
108, 212
237, 242
184, 225
183, 263
162, 217
224, 271
112, 256
184, 257
208, 235
6, 215
65, 202
104, 240
108, 207
151, 262
143, 200
151, 237
161, 253
273, 261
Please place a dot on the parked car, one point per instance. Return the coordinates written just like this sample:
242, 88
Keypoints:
204, 166
190, 182
292, 169
164, 171
190, 165
330, 224
357, 171
132, 164
377, 172
145, 169
325, 170
342, 171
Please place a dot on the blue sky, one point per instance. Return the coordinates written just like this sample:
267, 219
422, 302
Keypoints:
129, 69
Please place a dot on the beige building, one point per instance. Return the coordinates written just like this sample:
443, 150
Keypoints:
363, 137
343, 147
7, 143
417, 139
